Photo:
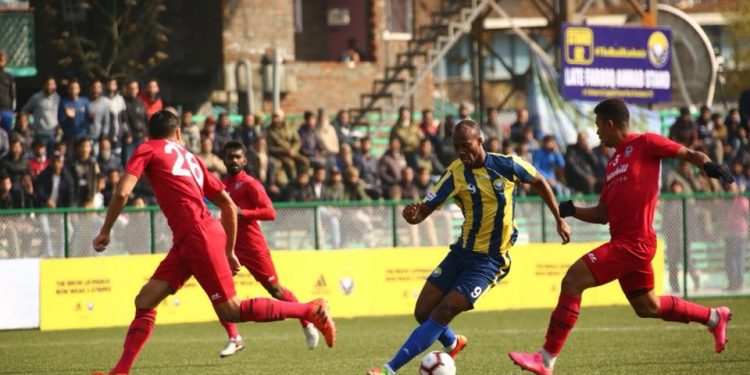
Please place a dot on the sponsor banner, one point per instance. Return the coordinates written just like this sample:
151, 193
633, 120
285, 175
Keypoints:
19, 293
99, 292
600, 62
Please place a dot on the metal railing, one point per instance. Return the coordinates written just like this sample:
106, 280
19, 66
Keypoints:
705, 236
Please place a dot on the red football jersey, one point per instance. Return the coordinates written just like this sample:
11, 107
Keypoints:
180, 181
631, 186
253, 204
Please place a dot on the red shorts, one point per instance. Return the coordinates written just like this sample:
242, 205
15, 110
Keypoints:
628, 262
201, 254
259, 263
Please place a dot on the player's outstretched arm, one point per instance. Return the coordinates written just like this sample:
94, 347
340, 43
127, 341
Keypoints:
116, 204
415, 213
702, 161
541, 187
594, 215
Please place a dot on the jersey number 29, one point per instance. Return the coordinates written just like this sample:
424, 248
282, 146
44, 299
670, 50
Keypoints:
178, 169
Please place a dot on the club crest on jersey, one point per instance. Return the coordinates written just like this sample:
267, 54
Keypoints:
628, 151
437, 272
498, 185
237, 185
472, 189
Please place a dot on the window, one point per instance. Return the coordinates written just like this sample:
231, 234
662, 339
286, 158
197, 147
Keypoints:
399, 16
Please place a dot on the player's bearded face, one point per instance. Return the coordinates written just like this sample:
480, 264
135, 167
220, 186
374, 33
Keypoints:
235, 161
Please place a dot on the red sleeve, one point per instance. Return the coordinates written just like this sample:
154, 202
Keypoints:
661, 147
140, 159
211, 184
263, 209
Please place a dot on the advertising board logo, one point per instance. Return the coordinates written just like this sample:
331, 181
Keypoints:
579, 46
347, 285
658, 49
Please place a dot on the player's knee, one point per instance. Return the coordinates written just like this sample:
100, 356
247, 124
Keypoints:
228, 312
276, 291
444, 313
421, 314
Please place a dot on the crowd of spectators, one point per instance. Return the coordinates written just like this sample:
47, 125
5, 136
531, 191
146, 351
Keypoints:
68, 149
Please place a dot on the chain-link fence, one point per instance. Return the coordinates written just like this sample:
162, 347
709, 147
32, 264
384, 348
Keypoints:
705, 237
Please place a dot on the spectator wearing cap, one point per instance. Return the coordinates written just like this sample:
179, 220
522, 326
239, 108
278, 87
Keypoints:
55, 185
151, 98
15, 163
550, 163
44, 106
309, 143
73, 113
84, 170
212, 162
408, 135
38, 159
191, 136
284, 145
223, 133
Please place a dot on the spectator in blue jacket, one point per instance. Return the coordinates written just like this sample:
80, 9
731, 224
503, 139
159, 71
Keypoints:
550, 163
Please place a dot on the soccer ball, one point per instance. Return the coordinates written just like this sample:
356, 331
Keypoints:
437, 363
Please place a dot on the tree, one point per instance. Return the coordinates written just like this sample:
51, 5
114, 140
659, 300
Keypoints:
739, 30
110, 38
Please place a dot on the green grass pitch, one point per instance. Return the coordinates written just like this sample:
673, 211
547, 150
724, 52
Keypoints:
606, 340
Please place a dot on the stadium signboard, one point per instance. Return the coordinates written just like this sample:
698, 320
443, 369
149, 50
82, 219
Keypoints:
599, 62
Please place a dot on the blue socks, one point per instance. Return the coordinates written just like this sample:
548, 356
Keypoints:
420, 339
448, 337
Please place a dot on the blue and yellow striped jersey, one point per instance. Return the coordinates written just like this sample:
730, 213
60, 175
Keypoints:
486, 197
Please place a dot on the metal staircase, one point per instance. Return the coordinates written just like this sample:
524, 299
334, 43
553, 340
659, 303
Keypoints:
431, 43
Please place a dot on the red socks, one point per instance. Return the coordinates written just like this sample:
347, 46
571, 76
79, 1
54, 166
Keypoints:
288, 296
231, 329
562, 321
268, 310
139, 331
675, 309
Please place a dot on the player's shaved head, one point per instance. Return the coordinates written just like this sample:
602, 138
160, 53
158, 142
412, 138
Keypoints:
614, 109
466, 129
163, 124
467, 140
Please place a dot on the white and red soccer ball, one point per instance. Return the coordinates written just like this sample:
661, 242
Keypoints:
437, 363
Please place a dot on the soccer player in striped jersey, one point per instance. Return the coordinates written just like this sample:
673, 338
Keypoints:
627, 203
483, 185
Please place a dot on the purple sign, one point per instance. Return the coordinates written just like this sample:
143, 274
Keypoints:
633, 63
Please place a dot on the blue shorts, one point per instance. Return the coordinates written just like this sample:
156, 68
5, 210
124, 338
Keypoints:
469, 273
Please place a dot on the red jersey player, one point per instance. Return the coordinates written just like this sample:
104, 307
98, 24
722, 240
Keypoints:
627, 203
201, 248
253, 204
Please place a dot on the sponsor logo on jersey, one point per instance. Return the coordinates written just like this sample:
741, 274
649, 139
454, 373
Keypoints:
430, 195
592, 257
620, 170
628, 151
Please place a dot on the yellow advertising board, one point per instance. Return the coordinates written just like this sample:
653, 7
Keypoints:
99, 292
